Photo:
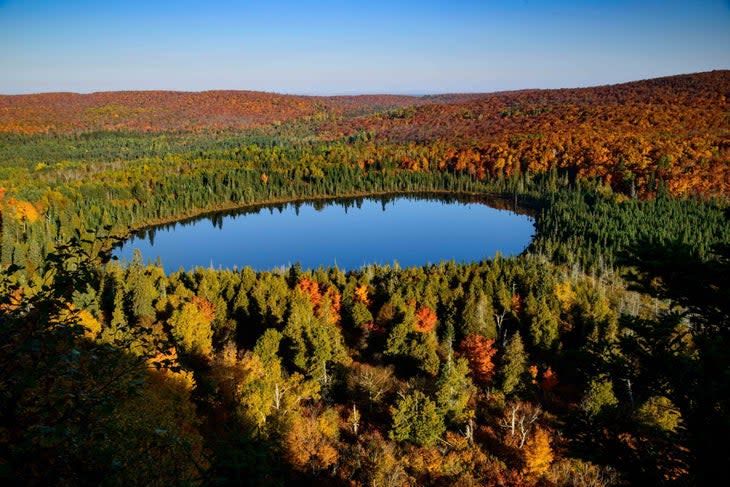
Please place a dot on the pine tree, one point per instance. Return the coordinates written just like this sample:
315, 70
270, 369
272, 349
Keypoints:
544, 324
513, 364
454, 389
416, 419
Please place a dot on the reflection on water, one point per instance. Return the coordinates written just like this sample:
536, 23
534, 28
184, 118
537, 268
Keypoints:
347, 233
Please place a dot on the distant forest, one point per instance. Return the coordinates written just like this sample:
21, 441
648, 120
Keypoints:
597, 357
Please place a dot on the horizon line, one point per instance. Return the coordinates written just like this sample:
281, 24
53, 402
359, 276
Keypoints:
310, 94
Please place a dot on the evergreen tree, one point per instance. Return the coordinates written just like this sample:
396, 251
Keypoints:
454, 388
513, 364
543, 324
416, 419
598, 398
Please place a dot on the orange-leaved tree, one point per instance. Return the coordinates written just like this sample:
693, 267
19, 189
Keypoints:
479, 351
425, 319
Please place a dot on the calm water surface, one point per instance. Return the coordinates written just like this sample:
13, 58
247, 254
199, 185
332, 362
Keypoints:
346, 233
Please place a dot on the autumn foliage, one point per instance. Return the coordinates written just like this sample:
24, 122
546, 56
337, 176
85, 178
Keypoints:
630, 135
256, 362
361, 294
425, 319
675, 129
21, 210
479, 351
538, 455
206, 308
309, 442
319, 296
311, 289
549, 380
160, 111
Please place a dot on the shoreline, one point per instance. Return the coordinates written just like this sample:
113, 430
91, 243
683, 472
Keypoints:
504, 202
234, 207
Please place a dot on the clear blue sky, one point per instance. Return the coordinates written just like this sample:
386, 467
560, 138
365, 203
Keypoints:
346, 47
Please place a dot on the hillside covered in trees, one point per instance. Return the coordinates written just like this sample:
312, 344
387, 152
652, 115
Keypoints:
597, 357
675, 128
160, 111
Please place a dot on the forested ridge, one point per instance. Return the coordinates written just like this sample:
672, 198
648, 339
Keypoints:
598, 357
675, 128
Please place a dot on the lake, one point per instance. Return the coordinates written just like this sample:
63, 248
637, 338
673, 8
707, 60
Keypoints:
348, 233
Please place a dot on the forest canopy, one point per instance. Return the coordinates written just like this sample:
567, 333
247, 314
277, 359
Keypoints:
597, 357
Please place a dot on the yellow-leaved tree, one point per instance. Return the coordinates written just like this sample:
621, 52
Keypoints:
310, 442
538, 455
191, 326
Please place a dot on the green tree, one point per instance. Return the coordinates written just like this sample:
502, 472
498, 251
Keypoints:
416, 419
544, 323
454, 388
315, 342
659, 412
406, 342
598, 398
79, 411
141, 291
513, 364
478, 316
267, 347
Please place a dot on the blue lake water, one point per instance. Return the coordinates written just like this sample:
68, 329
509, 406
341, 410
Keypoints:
351, 233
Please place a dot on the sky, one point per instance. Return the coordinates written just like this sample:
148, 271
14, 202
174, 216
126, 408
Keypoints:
351, 47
